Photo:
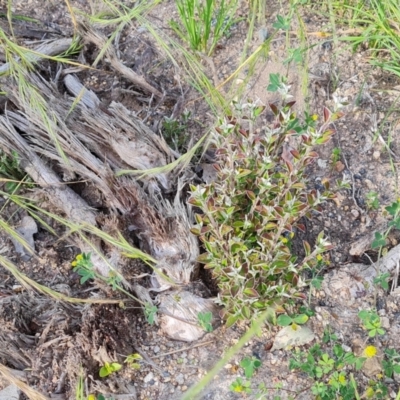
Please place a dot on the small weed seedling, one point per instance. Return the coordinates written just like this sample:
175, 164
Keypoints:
83, 266
133, 360
175, 131
372, 200
394, 212
150, 312
108, 369
335, 155
240, 386
10, 169
371, 322
391, 363
205, 321
250, 365
285, 320
382, 280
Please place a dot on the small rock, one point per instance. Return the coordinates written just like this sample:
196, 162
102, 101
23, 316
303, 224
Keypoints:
184, 388
376, 155
148, 377
156, 349
322, 163
372, 367
263, 34
27, 229
339, 166
346, 348
355, 213
385, 322
11, 392
180, 379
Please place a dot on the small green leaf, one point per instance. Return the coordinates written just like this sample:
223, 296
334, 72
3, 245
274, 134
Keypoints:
396, 368
379, 241
317, 282
232, 319
393, 208
284, 320
395, 223
363, 314
251, 292
281, 23
300, 319
115, 367
274, 83
205, 320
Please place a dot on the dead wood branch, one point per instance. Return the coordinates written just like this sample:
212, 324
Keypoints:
96, 143
48, 48
91, 36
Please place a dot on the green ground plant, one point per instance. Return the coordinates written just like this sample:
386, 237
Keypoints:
372, 200
11, 172
375, 25
204, 22
249, 365
133, 360
393, 213
108, 369
371, 322
330, 371
240, 385
335, 155
205, 320
256, 204
294, 320
175, 130
84, 267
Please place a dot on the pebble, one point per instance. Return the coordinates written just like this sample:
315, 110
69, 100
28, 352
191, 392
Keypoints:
346, 348
385, 322
148, 377
180, 379
376, 155
156, 349
355, 213
184, 388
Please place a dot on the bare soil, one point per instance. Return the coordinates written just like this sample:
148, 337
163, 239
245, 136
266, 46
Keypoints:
53, 340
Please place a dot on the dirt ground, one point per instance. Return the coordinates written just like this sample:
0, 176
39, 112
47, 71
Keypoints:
52, 339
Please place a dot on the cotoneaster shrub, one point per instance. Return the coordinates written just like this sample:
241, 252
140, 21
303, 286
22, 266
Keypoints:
251, 212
